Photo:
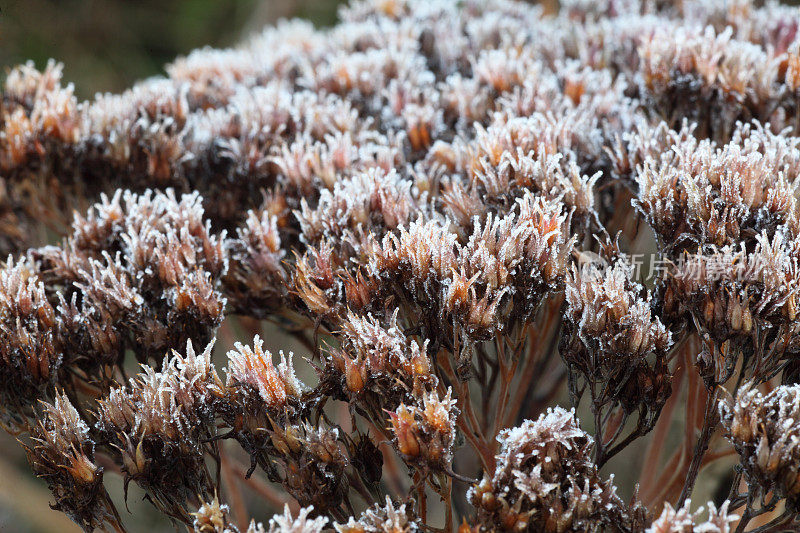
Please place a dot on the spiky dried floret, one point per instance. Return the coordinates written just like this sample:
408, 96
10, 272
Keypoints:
733, 294
516, 258
769, 24
30, 354
605, 43
165, 236
308, 164
36, 109
545, 480
613, 342
606, 310
316, 285
497, 165
256, 280
24, 83
576, 95
212, 517
381, 372
701, 193
253, 368
138, 271
582, 10
425, 432
735, 80
159, 424
62, 453
763, 428
524, 253
374, 358
388, 518
317, 465
684, 521
264, 407
649, 143
285, 523
373, 201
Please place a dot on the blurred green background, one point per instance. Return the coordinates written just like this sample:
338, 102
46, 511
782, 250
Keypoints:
106, 45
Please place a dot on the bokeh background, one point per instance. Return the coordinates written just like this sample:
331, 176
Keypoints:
106, 45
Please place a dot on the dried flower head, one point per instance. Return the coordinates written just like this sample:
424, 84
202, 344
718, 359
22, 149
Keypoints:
685, 521
285, 523
412, 196
30, 356
212, 517
613, 345
545, 480
388, 518
159, 424
62, 453
763, 429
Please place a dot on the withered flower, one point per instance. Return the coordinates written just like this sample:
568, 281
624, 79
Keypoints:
158, 425
285, 523
426, 433
684, 520
613, 345
545, 480
256, 281
253, 367
213, 517
699, 193
30, 355
763, 429
62, 452
388, 518
737, 296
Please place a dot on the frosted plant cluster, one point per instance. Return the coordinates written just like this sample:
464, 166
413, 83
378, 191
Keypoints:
408, 242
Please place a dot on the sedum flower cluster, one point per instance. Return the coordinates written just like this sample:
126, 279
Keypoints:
441, 207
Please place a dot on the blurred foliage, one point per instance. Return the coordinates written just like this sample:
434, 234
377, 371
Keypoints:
106, 45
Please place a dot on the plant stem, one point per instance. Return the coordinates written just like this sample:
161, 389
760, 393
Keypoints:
709, 425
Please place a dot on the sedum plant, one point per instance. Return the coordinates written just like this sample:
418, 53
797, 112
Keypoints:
511, 248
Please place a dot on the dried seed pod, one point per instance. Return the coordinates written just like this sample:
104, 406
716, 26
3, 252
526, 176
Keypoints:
388, 518
159, 425
684, 521
763, 429
30, 355
284, 523
546, 481
62, 453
